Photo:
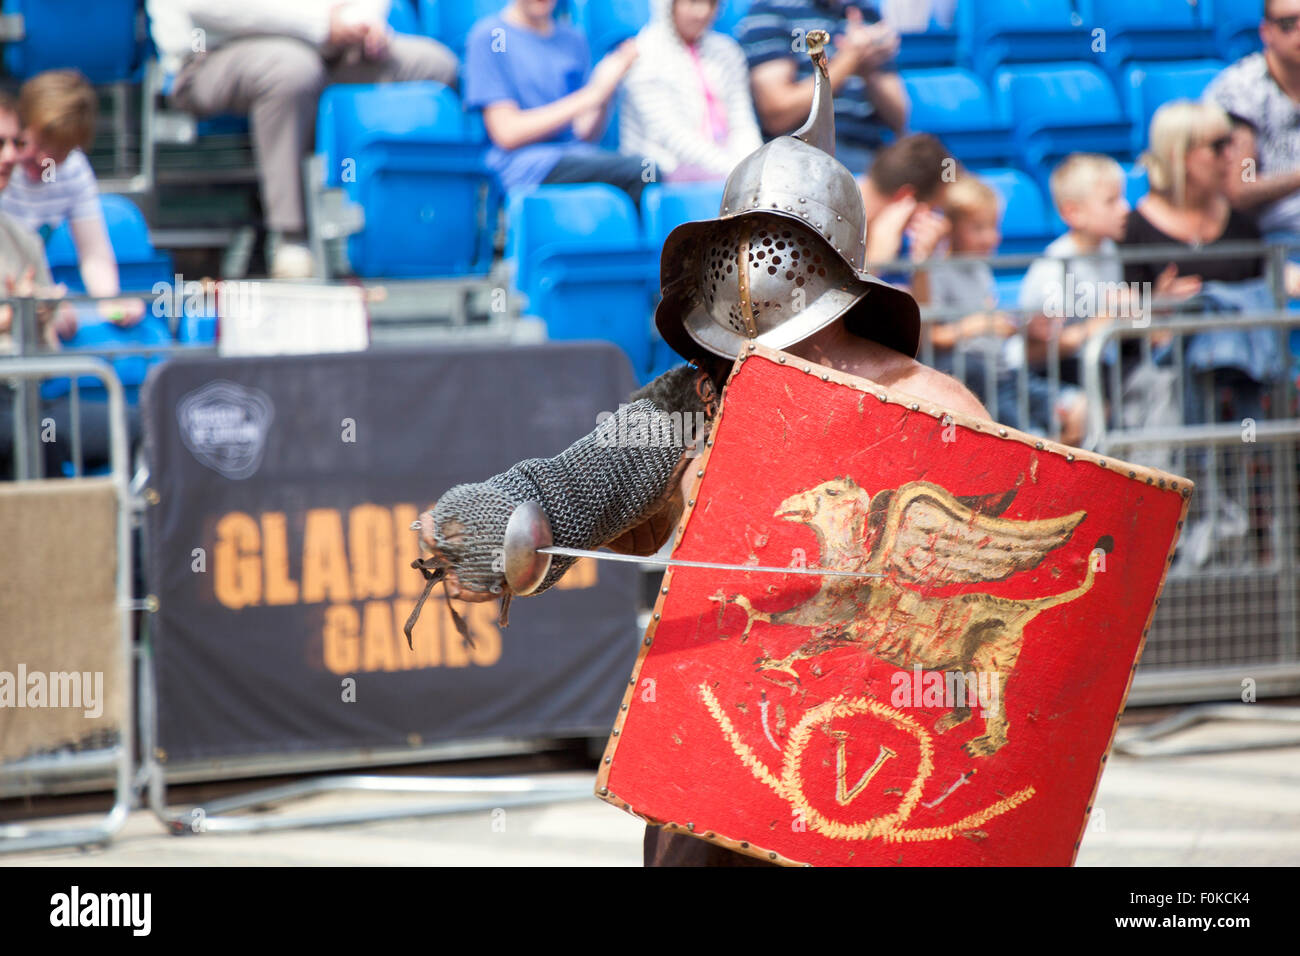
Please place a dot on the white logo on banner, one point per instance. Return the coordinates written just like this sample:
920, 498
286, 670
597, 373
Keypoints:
225, 425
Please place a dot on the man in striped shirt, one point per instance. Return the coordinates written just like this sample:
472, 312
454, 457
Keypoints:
869, 96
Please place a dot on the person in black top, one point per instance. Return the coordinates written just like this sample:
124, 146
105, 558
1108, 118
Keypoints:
1188, 165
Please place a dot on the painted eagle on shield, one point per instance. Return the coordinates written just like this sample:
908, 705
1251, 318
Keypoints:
918, 539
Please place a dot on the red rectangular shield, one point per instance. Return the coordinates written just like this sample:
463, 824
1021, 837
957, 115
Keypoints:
952, 704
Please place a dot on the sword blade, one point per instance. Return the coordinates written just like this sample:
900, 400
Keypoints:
679, 563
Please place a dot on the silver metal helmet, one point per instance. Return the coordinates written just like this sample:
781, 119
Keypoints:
786, 256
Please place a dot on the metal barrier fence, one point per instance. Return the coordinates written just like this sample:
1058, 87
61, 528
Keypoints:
116, 758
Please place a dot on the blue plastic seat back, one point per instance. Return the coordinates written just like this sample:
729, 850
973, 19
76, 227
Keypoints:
403, 18
1135, 182
449, 21
956, 105
96, 335
935, 46
665, 206
1026, 226
1148, 86
582, 216
98, 38
993, 32
351, 117
1045, 95
1060, 109
139, 264
730, 12
607, 23
1150, 30
1236, 26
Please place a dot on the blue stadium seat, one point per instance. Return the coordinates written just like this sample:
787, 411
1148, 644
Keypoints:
449, 21
1135, 182
1026, 225
99, 38
1149, 30
955, 105
411, 156
578, 255
608, 23
1236, 26
140, 266
403, 18
1058, 109
936, 46
665, 206
993, 32
100, 335
1148, 86
730, 12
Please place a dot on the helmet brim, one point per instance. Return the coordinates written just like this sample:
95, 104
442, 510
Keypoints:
872, 308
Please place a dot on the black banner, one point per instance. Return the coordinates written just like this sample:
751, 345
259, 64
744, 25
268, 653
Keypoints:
280, 544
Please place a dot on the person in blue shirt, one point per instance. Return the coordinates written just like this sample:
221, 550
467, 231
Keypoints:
869, 96
543, 104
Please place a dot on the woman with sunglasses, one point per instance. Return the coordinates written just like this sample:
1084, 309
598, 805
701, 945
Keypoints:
1189, 159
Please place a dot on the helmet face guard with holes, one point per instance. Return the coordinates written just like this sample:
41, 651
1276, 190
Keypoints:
786, 256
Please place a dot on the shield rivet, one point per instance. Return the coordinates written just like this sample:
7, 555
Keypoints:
781, 359
1069, 457
656, 615
691, 827
1102, 462
914, 407
691, 503
839, 218
1038, 445
802, 200
752, 346
604, 791
607, 760
1002, 432
825, 377
663, 590
883, 397
699, 474
647, 641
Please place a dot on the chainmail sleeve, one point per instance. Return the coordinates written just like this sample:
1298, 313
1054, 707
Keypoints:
593, 491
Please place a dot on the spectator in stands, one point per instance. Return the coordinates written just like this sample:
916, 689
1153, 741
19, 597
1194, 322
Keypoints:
53, 183
271, 61
971, 340
869, 96
23, 273
903, 194
1078, 288
1264, 89
1188, 205
686, 104
543, 104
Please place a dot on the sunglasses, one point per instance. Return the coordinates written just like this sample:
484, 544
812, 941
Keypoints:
1285, 24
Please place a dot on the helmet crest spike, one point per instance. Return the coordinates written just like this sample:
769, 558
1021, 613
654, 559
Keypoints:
819, 129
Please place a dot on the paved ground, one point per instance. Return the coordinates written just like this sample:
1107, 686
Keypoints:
1237, 808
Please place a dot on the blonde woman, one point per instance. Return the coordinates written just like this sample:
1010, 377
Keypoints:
687, 107
1188, 163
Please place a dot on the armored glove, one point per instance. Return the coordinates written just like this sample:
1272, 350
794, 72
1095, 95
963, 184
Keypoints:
610, 486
